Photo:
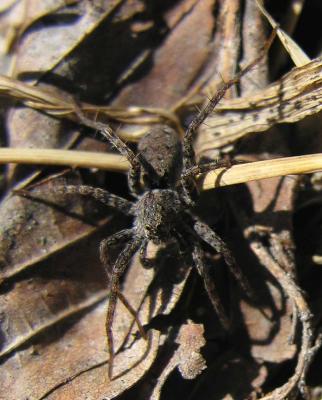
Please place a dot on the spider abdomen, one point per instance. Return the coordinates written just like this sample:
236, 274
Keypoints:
156, 213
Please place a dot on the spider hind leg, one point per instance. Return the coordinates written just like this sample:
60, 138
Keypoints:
210, 285
210, 237
188, 240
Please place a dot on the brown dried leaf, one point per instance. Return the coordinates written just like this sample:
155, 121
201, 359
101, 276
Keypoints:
41, 50
62, 352
22, 14
297, 95
60, 368
170, 60
31, 231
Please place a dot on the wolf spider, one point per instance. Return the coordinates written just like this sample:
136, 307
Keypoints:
162, 205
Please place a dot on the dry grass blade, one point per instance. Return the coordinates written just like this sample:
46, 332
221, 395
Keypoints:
83, 159
59, 105
243, 173
34, 97
296, 53
291, 99
240, 173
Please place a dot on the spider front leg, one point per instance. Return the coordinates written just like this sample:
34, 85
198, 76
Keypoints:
107, 132
210, 237
137, 161
118, 269
106, 244
189, 160
206, 167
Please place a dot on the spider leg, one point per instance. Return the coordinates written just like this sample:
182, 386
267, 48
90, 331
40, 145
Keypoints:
123, 235
118, 269
202, 168
197, 255
136, 160
143, 259
104, 246
109, 199
187, 240
187, 186
210, 237
188, 153
117, 142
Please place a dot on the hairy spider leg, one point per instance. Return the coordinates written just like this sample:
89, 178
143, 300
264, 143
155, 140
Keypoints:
101, 195
136, 160
117, 142
203, 270
187, 240
202, 168
189, 160
119, 267
105, 245
210, 237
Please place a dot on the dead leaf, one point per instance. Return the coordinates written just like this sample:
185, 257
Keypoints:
297, 95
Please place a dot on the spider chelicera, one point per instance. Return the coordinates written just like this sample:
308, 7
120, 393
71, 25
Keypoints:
161, 180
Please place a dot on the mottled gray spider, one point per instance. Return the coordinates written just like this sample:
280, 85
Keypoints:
162, 206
